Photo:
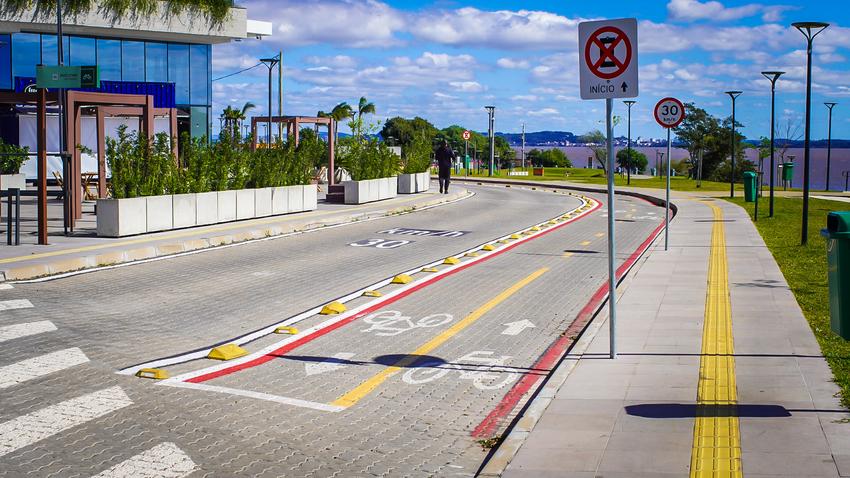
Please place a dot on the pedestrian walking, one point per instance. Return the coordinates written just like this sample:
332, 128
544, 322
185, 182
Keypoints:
445, 157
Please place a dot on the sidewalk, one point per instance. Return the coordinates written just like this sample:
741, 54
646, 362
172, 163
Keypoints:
765, 392
84, 249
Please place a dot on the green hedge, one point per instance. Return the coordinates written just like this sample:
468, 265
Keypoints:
367, 159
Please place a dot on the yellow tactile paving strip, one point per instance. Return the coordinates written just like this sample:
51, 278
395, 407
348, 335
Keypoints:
717, 437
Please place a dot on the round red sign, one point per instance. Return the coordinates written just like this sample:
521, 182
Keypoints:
467, 135
669, 112
602, 55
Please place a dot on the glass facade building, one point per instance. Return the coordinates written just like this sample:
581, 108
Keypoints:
188, 66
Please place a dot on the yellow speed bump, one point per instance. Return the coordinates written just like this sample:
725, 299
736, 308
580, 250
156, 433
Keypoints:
526, 233
489, 247
504, 241
154, 373
471, 254
372, 293
226, 352
402, 279
451, 261
333, 308
535, 228
552, 222
286, 330
429, 269
514, 236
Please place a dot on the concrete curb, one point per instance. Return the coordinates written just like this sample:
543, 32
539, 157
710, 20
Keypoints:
73, 264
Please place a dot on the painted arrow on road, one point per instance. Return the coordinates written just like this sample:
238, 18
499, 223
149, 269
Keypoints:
514, 328
336, 362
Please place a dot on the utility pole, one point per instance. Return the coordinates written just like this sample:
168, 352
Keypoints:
491, 111
772, 76
829, 143
734, 95
280, 93
523, 147
270, 63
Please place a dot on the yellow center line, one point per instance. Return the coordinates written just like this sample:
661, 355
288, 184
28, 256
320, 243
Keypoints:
584, 243
568, 254
600, 234
190, 232
358, 393
716, 449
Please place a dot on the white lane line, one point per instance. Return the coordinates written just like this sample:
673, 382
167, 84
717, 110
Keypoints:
17, 331
6, 286
323, 407
40, 424
165, 460
35, 367
199, 354
15, 304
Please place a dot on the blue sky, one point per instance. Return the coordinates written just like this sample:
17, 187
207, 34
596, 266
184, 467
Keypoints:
446, 60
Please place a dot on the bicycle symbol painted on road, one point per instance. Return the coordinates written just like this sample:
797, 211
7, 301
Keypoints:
487, 372
391, 323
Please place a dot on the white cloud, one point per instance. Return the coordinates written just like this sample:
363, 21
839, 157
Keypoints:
505, 29
525, 98
512, 64
544, 112
337, 61
467, 86
694, 10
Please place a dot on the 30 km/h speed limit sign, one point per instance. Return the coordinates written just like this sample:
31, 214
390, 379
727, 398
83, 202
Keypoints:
669, 112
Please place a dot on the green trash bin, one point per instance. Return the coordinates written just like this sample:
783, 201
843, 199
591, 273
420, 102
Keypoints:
837, 235
750, 184
788, 172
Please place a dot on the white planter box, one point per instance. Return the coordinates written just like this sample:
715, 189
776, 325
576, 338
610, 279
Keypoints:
280, 200
184, 210
121, 217
160, 214
262, 202
311, 198
423, 181
295, 198
413, 183
11, 181
392, 186
226, 206
245, 204
206, 208
359, 192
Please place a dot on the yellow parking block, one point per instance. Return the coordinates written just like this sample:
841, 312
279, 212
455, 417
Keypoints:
286, 330
402, 279
333, 308
489, 247
154, 373
372, 293
227, 352
429, 269
514, 236
450, 261
471, 254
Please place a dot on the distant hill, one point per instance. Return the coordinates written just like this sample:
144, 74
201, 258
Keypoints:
540, 138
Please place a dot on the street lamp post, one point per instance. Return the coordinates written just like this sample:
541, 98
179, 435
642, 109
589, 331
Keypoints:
270, 63
846, 180
734, 95
772, 76
659, 161
829, 105
629, 103
491, 112
809, 30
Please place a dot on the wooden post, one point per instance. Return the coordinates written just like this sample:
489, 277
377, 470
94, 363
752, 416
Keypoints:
101, 153
295, 128
41, 119
331, 179
148, 117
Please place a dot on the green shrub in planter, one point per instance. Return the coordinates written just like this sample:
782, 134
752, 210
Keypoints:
140, 166
416, 156
17, 155
368, 159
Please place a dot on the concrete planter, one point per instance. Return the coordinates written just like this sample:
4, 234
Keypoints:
11, 181
125, 217
226, 206
206, 208
263, 202
184, 210
359, 192
160, 213
413, 183
245, 204
121, 217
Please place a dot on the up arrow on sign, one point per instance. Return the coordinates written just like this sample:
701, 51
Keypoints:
515, 328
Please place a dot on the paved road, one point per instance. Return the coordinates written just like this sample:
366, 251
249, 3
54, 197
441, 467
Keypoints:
403, 387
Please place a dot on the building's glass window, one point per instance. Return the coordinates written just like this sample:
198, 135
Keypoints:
199, 55
5, 62
132, 61
83, 51
178, 71
26, 53
50, 51
109, 59
199, 117
156, 62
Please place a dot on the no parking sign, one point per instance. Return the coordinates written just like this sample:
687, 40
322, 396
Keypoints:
608, 59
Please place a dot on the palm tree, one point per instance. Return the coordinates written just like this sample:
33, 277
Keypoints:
340, 112
363, 107
233, 118
320, 114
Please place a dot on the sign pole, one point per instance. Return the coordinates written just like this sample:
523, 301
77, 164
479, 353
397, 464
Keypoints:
667, 203
612, 278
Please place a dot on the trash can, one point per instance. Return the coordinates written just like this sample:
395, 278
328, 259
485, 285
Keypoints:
750, 184
837, 235
788, 172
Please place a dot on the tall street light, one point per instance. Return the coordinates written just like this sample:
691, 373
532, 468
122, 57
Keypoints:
734, 95
270, 63
629, 103
491, 112
809, 30
829, 105
772, 76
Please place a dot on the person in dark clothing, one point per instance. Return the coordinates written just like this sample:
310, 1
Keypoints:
445, 157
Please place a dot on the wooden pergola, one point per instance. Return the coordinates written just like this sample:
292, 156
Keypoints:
293, 127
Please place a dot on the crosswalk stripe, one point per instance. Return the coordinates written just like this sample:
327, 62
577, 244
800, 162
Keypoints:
40, 424
165, 460
17, 331
15, 304
35, 367
6, 286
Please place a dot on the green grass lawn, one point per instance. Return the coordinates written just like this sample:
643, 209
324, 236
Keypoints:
805, 269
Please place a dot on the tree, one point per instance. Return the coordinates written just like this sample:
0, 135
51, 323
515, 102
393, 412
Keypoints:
233, 119
597, 142
364, 106
637, 161
404, 131
550, 158
700, 131
340, 112
216, 11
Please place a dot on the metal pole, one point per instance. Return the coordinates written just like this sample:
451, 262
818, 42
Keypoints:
629, 103
523, 146
667, 203
9, 218
773, 76
829, 143
66, 189
612, 278
492, 113
732, 182
17, 215
269, 138
42, 166
466, 156
280, 92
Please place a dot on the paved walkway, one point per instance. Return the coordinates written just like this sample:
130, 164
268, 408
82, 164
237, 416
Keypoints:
84, 249
726, 383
